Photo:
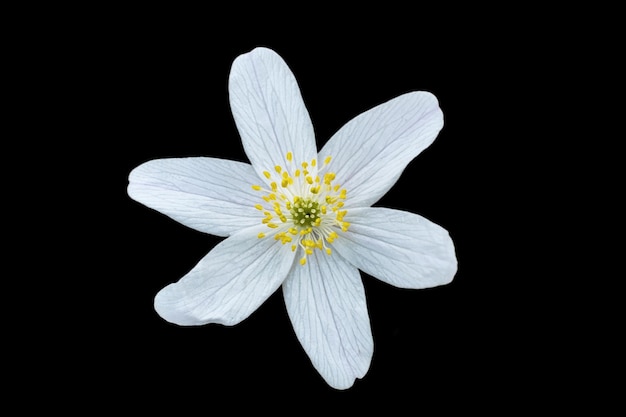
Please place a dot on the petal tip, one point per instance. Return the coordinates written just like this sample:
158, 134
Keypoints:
256, 52
168, 305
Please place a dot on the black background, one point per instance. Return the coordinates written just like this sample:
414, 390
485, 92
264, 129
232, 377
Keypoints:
127, 86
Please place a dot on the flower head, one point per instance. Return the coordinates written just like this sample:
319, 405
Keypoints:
300, 219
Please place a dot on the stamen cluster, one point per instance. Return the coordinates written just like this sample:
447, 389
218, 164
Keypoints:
303, 205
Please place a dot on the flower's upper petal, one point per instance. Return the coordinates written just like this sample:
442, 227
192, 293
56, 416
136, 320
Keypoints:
269, 111
370, 152
326, 303
207, 194
398, 247
229, 283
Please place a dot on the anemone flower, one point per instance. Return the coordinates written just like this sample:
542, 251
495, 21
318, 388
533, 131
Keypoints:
300, 219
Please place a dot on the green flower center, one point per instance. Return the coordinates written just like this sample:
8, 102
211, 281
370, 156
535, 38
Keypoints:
304, 213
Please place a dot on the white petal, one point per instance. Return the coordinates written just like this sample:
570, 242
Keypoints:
207, 194
269, 111
398, 247
229, 283
326, 303
370, 152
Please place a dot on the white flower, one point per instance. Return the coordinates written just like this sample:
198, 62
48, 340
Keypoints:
299, 218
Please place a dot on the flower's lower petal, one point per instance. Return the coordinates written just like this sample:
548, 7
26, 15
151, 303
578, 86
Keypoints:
398, 247
207, 194
370, 152
326, 303
229, 283
269, 111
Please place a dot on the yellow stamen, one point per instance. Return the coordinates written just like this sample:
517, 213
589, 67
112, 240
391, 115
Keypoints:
327, 160
256, 187
258, 207
267, 174
278, 168
261, 235
303, 261
289, 156
284, 239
